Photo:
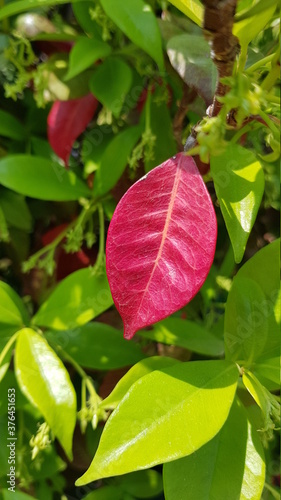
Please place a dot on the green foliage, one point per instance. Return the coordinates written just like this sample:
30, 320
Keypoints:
168, 396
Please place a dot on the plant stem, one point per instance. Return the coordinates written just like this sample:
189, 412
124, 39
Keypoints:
261, 62
249, 127
274, 73
273, 492
270, 124
100, 258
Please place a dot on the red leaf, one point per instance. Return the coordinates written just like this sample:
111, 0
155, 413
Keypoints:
67, 120
161, 243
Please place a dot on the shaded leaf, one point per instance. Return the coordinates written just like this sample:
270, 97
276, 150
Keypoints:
106, 493
67, 120
142, 484
163, 417
11, 127
21, 5
40, 178
268, 368
15, 209
81, 11
246, 328
187, 334
77, 299
110, 83
161, 128
234, 453
239, 184
190, 56
263, 269
114, 159
44, 380
137, 20
98, 346
85, 52
160, 243
137, 371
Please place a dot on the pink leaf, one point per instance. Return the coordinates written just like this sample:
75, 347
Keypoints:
161, 243
67, 120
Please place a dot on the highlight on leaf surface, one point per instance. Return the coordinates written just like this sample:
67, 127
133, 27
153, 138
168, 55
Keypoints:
160, 244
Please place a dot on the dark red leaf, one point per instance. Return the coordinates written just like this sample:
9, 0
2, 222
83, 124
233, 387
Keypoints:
67, 120
161, 243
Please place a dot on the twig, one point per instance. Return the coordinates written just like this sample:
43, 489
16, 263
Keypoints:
188, 96
218, 23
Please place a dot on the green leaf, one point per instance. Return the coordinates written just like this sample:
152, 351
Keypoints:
190, 57
188, 334
142, 484
105, 493
248, 28
269, 406
14, 8
246, 328
10, 126
77, 299
85, 52
114, 159
81, 11
12, 309
263, 269
111, 82
239, 185
15, 209
191, 8
39, 178
163, 416
137, 20
98, 346
135, 373
94, 145
234, 453
269, 369
8, 382
161, 128
256, 8
10, 495
44, 380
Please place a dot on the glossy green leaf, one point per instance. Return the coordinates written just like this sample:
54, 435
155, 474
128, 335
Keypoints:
137, 371
114, 159
6, 354
85, 52
188, 334
269, 369
269, 406
15, 209
256, 8
190, 56
142, 484
239, 184
248, 28
163, 417
263, 269
164, 145
111, 82
230, 466
77, 299
14, 8
11, 127
44, 380
39, 178
12, 309
246, 328
99, 346
106, 493
137, 20
191, 8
